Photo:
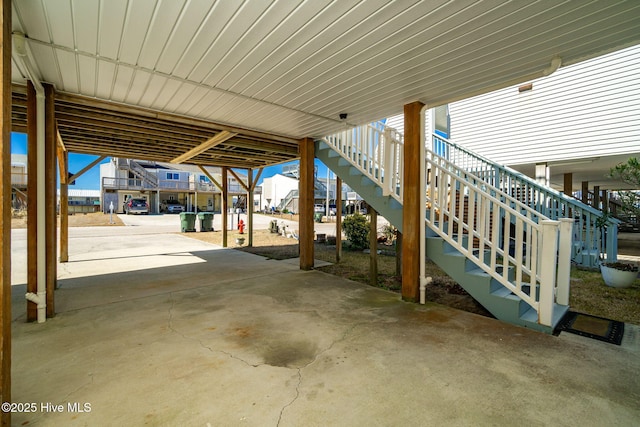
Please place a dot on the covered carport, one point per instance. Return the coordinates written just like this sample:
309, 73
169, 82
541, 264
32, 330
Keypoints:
246, 85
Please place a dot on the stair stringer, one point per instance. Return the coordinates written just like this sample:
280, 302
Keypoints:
386, 206
497, 299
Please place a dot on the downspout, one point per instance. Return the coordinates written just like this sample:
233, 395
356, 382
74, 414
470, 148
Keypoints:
423, 203
39, 298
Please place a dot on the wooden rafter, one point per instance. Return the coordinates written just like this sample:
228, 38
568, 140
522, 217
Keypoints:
86, 168
208, 175
242, 184
210, 143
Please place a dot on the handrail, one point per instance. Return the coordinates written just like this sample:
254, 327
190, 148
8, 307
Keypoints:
527, 243
376, 151
591, 240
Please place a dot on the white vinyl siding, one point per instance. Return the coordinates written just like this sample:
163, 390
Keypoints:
588, 109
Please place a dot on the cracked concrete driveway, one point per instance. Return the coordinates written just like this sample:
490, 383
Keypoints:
165, 330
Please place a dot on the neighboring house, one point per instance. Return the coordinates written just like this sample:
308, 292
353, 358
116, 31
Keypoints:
281, 192
159, 183
277, 188
581, 120
82, 201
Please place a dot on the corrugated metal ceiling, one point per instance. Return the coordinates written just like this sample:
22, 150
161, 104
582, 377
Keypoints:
289, 67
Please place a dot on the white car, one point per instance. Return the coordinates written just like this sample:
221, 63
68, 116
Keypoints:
173, 206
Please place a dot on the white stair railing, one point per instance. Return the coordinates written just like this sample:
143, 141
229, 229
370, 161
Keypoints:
540, 267
508, 240
376, 151
590, 241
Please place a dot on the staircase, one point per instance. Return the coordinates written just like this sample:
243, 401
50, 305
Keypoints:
594, 235
143, 176
499, 249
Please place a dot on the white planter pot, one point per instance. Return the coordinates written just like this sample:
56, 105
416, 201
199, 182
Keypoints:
617, 278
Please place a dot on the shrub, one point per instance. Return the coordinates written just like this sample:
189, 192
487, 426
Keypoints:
356, 227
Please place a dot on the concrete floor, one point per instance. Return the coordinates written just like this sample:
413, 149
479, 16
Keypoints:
161, 329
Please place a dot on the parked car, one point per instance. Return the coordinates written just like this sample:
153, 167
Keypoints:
136, 206
173, 206
318, 208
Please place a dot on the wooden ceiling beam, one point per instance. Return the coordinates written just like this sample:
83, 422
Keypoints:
144, 112
210, 143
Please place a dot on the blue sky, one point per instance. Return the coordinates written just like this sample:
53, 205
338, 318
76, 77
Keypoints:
90, 180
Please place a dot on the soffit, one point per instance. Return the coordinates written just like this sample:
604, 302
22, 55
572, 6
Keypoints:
290, 67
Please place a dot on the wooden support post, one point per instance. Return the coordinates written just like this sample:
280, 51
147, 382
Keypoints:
306, 192
605, 201
568, 184
413, 213
585, 192
51, 226
568, 190
63, 166
223, 207
596, 196
338, 219
5, 210
373, 247
32, 200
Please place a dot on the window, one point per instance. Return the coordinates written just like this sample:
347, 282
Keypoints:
173, 176
205, 179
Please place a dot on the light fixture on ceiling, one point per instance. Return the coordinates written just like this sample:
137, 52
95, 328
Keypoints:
343, 116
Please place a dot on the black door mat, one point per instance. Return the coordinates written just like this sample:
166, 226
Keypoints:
598, 328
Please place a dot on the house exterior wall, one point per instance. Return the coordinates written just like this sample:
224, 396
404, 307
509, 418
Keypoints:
276, 188
584, 110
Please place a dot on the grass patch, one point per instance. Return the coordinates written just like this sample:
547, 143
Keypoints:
590, 295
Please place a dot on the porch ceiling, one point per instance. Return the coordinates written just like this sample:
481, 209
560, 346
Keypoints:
282, 70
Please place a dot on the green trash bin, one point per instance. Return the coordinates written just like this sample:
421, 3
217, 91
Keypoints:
317, 216
206, 221
187, 222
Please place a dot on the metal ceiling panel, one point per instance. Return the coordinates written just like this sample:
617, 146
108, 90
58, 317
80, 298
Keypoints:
186, 26
166, 94
224, 47
31, 17
139, 14
68, 71
138, 87
109, 26
290, 67
210, 28
151, 91
106, 75
122, 83
162, 24
270, 45
85, 24
87, 68
59, 11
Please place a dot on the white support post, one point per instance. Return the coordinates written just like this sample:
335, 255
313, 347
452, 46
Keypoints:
548, 251
564, 261
388, 151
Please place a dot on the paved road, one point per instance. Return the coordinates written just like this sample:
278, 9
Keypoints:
138, 231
